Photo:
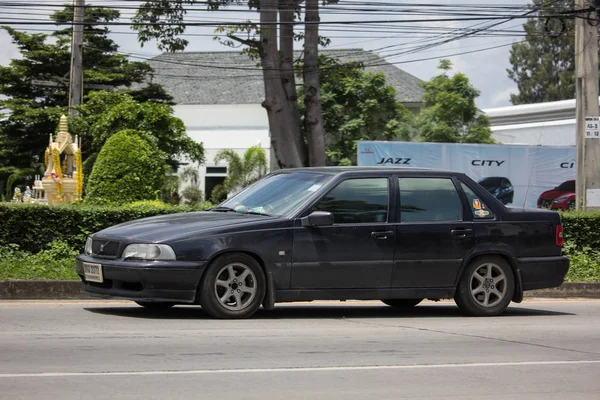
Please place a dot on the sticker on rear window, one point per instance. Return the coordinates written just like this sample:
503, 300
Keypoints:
314, 188
477, 204
482, 213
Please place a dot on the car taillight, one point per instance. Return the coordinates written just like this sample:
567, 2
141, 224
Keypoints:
559, 236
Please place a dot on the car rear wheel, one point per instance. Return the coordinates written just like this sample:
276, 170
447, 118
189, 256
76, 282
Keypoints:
233, 287
155, 305
486, 287
402, 303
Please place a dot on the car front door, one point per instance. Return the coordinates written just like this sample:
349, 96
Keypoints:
357, 251
432, 236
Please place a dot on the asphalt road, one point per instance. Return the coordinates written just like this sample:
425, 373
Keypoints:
540, 349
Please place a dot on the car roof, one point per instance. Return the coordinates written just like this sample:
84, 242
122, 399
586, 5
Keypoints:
354, 169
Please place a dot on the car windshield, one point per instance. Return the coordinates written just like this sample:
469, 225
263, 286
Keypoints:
568, 186
278, 194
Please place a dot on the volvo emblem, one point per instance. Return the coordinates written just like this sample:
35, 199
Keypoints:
102, 247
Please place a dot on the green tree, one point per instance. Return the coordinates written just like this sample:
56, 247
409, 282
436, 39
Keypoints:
450, 114
242, 170
543, 66
272, 42
106, 113
35, 85
358, 105
129, 168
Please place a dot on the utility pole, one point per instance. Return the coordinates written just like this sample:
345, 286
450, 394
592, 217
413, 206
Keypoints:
588, 123
76, 79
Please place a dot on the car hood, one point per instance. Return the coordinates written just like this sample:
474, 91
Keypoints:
156, 229
554, 194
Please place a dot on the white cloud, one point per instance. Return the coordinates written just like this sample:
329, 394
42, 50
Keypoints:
502, 98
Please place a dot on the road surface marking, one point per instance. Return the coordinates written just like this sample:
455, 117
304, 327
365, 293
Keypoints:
298, 369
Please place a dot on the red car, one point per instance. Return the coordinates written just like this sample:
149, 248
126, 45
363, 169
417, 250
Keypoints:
561, 197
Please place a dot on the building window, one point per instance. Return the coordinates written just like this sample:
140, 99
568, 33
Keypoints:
216, 170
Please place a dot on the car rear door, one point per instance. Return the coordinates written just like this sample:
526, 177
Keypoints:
357, 251
434, 232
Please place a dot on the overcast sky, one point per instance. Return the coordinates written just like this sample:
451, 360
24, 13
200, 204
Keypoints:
485, 69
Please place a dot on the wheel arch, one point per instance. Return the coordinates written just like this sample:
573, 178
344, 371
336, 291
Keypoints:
269, 300
496, 252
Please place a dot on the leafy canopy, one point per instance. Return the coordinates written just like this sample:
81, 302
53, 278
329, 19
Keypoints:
34, 87
449, 112
543, 66
357, 105
129, 168
106, 113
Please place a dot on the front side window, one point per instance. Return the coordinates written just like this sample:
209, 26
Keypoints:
479, 209
356, 201
429, 199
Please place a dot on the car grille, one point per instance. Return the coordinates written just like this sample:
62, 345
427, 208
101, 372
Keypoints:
105, 248
545, 203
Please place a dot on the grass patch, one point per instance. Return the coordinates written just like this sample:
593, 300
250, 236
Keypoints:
585, 265
56, 261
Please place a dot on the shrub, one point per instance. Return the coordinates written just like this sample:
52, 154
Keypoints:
581, 229
128, 169
32, 227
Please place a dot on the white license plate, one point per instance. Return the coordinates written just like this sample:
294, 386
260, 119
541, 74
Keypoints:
93, 272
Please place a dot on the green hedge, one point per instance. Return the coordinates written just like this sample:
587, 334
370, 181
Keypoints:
582, 230
33, 227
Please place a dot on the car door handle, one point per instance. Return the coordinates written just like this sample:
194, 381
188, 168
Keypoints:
461, 233
382, 235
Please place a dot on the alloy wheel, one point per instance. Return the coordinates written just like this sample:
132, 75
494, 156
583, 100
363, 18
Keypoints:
488, 284
235, 286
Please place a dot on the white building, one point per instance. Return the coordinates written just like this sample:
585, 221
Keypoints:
546, 124
219, 96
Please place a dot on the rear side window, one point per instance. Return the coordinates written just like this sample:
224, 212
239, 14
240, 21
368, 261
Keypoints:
355, 201
429, 199
479, 209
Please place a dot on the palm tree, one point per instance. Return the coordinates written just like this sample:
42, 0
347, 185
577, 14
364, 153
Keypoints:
243, 171
191, 192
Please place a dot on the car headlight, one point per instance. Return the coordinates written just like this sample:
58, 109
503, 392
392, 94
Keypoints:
161, 252
88, 246
559, 200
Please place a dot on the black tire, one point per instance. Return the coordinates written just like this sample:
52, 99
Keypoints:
402, 304
159, 305
571, 206
245, 296
496, 290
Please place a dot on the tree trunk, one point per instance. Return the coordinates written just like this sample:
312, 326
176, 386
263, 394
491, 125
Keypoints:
286, 40
313, 120
278, 110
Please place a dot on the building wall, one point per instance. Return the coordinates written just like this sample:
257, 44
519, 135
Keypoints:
229, 126
545, 124
553, 133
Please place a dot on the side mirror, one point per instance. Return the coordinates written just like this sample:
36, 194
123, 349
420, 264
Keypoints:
318, 218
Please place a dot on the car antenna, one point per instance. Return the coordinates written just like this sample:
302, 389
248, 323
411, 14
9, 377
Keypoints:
539, 143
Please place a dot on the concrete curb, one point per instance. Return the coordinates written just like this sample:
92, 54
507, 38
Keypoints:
40, 290
66, 290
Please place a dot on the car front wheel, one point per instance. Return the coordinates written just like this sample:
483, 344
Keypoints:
233, 287
486, 287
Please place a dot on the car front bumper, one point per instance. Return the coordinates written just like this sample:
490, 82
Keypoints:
151, 281
543, 272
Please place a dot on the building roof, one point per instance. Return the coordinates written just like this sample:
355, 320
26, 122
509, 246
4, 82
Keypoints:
228, 77
531, 113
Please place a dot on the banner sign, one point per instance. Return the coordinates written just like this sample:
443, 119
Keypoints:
519, 176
